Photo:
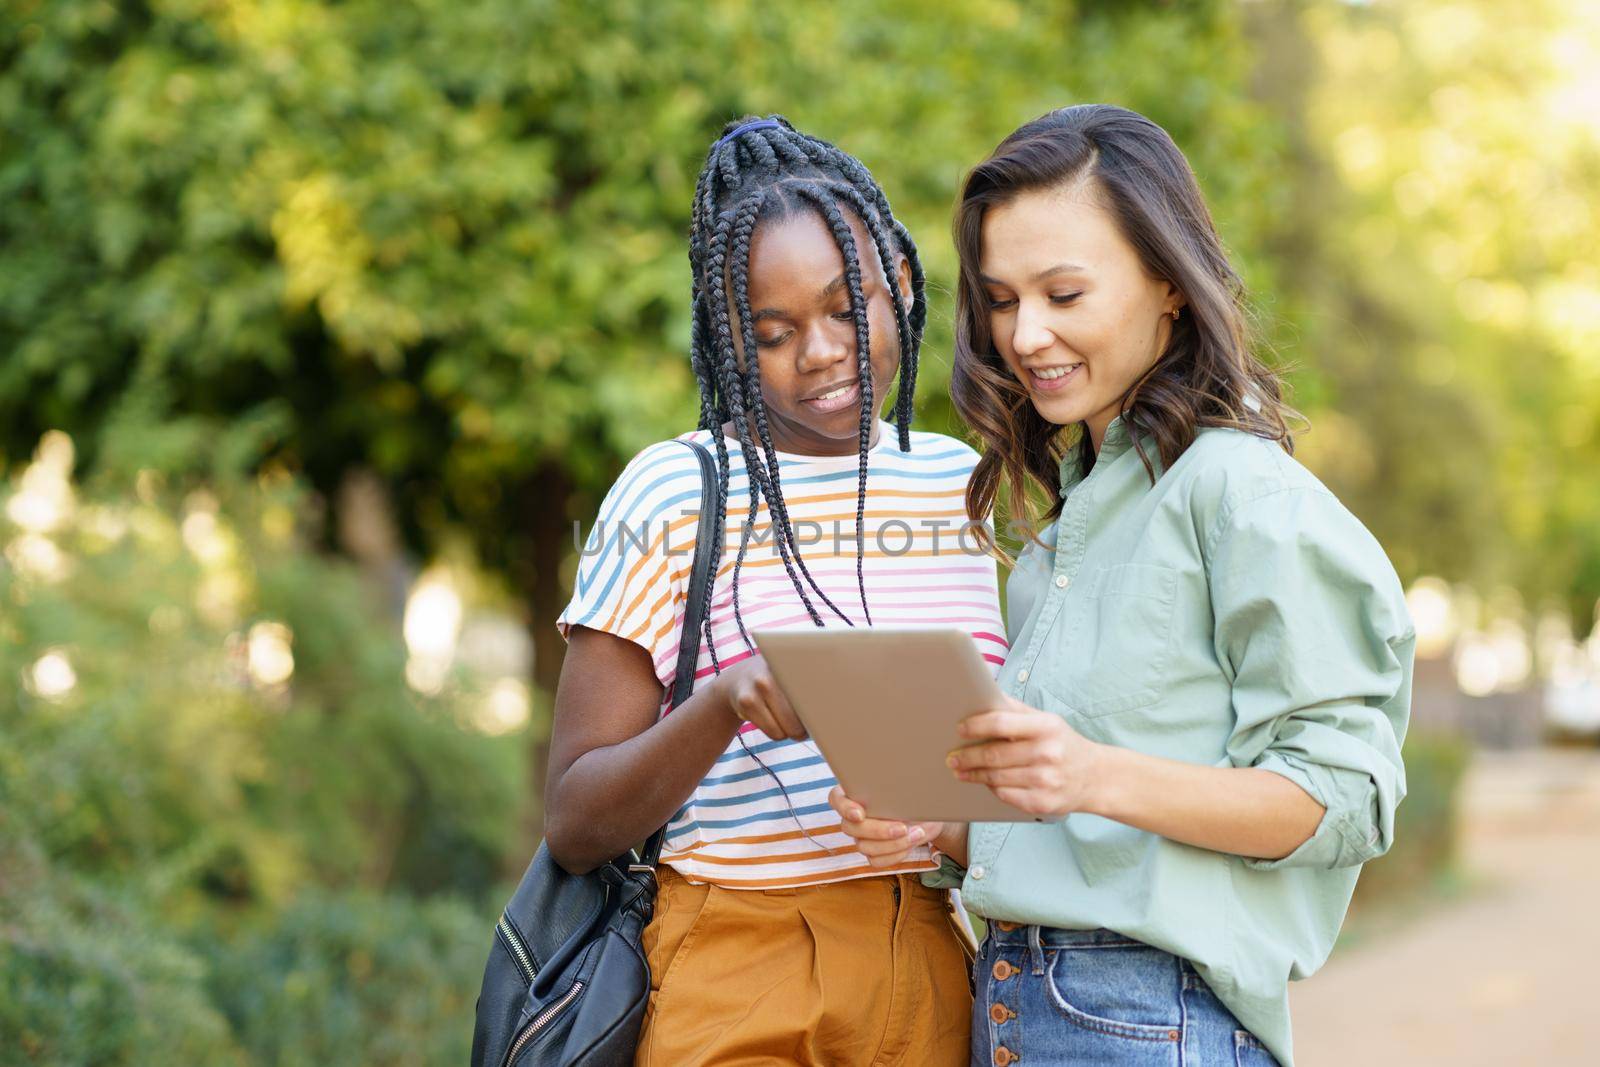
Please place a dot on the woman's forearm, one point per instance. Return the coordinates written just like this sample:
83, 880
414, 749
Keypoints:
613, 797
1241, 810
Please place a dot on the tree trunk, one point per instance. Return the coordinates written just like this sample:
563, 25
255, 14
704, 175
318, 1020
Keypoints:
543, 507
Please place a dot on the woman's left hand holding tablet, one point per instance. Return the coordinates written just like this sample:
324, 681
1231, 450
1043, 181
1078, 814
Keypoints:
887, 842
1029, 759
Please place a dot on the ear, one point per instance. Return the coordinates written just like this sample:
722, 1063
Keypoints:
1172, 299
902, 278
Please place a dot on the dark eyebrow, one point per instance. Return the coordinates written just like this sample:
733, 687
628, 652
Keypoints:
831, 288
773, 313
1059, 268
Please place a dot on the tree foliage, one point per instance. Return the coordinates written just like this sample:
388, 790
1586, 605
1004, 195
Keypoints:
449, 242
1440, 279
228, 831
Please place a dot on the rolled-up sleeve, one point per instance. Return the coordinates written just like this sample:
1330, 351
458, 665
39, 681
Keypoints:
1312, 627
948, 875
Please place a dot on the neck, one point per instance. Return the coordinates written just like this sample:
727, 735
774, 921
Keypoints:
813, 447
1096, 428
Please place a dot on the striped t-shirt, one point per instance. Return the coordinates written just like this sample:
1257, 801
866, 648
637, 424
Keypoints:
921, 567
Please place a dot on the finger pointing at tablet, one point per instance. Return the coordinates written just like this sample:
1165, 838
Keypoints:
753, 695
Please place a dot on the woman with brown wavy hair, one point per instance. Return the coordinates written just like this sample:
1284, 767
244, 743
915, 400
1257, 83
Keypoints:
1210, 665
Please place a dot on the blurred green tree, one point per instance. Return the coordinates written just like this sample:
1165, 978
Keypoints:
447, 243
1437, 267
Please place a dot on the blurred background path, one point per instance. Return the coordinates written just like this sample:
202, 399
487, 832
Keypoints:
1503, 973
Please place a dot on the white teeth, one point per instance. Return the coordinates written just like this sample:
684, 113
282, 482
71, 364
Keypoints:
837, 392
1052, 373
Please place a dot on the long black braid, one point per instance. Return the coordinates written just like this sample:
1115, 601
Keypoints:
852, 273
767, 171
743, 393
750, 382
862, 186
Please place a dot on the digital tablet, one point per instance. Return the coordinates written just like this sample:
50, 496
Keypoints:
882, 704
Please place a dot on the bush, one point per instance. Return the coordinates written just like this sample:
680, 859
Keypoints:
355, 978
89, 977
208, 854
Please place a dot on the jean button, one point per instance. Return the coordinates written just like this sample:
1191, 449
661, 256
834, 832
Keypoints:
1004, 1057
1002, 970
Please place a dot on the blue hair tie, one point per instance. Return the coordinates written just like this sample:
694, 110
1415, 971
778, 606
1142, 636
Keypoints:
758, 124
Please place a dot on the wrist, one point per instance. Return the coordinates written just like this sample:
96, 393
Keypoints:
720, 704
1105, 779
952, 842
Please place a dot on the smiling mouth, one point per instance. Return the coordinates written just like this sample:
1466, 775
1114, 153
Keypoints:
836, 399
1049, 379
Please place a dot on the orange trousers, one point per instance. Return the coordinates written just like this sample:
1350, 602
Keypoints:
870, 971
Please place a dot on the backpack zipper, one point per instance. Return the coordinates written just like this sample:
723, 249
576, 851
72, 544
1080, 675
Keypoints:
540, 1021
519, 950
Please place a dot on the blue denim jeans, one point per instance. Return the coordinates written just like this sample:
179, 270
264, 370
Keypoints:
1089, 997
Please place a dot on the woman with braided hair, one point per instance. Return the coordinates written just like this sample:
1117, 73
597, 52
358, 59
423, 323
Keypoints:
774, 939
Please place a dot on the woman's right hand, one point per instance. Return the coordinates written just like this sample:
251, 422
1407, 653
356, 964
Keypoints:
887, 842
751, 694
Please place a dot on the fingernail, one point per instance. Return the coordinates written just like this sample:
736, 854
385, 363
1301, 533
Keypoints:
952, 761
855, 814
916, 834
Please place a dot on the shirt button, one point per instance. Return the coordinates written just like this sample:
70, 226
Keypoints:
1061, 581
1022, 675
978, 872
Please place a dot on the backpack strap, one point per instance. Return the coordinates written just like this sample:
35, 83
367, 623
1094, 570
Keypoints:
694, 609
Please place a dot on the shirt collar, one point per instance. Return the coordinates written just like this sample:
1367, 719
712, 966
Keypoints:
1117, 439
1116, 442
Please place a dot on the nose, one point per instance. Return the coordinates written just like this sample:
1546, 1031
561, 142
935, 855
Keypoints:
824, 344
1028, 331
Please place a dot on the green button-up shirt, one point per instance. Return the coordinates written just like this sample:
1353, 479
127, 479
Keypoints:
1233, 614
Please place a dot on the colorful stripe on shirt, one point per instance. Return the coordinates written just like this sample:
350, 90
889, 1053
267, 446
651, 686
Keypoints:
760, 818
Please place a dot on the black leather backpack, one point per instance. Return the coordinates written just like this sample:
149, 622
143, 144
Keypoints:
566, 983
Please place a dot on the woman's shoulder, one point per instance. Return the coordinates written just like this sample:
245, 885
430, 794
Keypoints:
1226, 472
1225, 467
658, 476
1257, 506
